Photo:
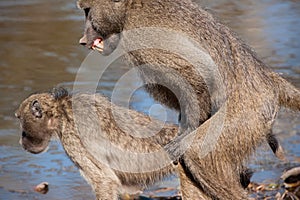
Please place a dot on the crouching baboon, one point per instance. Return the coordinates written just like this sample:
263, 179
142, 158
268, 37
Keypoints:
54, 114
228, 98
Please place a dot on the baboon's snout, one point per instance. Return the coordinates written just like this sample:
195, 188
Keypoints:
83, 40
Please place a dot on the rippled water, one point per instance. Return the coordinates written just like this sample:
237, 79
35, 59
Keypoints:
39, 50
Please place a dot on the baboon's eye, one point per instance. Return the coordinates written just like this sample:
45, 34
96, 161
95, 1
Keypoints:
36, 109
86, 12
116, 0
24, 134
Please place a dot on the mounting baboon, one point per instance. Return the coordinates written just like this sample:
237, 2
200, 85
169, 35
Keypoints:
246, 95
72, 119
162, 93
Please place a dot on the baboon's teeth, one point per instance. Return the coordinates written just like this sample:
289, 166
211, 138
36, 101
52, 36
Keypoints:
98, 45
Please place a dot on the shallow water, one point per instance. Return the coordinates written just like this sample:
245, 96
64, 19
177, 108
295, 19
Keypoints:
39, 50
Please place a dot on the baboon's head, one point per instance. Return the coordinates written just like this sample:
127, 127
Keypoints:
105, 19
38, 121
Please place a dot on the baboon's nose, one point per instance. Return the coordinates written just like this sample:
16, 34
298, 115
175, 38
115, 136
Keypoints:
83, 40
17, 115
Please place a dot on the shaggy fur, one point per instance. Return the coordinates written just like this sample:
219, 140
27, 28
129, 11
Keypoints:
241, 99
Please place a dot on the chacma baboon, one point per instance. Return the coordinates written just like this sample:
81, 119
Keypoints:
73, 119
160, 92
218, 82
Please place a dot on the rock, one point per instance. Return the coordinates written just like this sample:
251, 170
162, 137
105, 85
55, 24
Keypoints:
42, 188
291, 183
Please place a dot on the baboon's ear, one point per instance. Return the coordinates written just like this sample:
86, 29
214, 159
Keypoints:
136, 4
36, 109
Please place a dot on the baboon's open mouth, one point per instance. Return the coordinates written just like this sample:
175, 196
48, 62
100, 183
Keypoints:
107, 45
98, 45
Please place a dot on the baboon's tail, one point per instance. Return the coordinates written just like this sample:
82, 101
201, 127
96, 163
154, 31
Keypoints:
289, 95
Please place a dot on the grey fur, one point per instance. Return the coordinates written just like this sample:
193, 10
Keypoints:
246, 95
59, 113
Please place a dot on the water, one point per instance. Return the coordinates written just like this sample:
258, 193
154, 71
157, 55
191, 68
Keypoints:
39, 50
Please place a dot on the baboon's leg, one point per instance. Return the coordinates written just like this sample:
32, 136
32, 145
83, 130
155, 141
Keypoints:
275, 146
103, 181
216, 185
216, 173
188, 186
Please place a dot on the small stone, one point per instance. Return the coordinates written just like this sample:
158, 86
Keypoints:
42, 188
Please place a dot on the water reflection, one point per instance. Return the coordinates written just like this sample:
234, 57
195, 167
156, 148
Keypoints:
270, 26
39, 50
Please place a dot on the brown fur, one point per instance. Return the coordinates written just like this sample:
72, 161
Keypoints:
247, 94
165, 94
46, 114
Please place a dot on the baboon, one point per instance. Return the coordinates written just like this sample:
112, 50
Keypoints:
50, 114
160, 92
243, 93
